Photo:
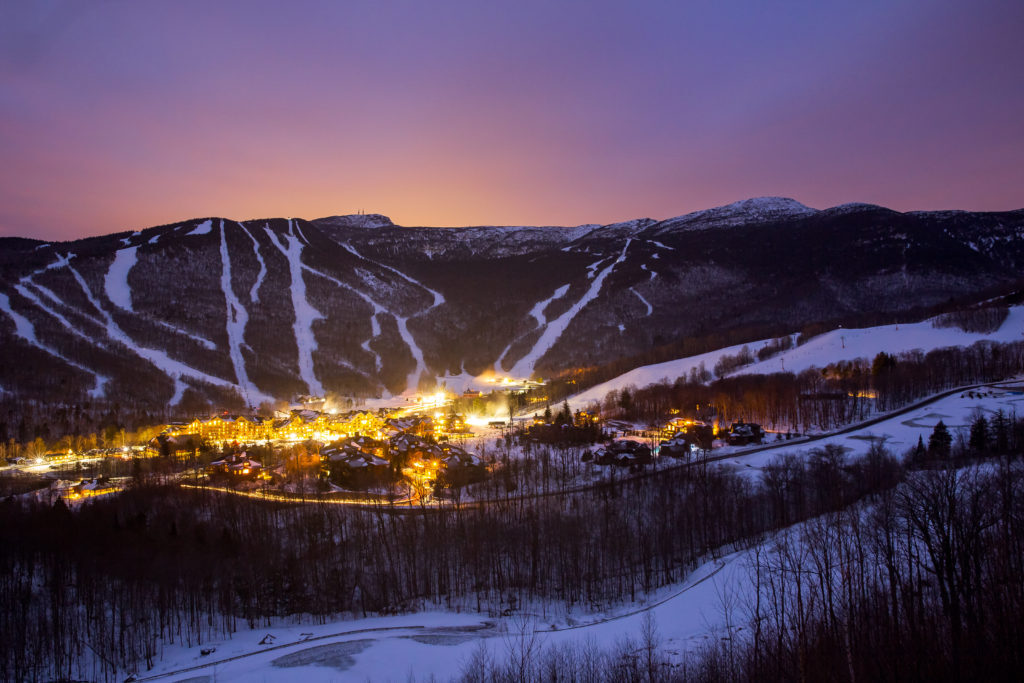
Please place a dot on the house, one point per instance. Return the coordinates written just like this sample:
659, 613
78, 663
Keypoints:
743, 433
238, 466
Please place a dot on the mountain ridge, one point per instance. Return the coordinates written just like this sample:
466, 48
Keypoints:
241, 312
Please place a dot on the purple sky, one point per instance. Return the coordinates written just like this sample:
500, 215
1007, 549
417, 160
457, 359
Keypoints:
124, 114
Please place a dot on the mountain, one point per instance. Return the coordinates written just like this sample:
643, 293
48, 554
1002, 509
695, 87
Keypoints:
246, 312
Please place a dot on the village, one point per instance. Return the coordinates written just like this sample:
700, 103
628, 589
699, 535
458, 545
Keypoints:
426, 450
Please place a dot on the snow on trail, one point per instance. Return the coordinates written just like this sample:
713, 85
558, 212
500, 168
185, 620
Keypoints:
305, 314
116, 282
237, 320
538, 311
645, 302
592, 268
254, 293
438, 297
174, 369
661, 246
552, 332
374, 323
203, 228
412, 381
24, 329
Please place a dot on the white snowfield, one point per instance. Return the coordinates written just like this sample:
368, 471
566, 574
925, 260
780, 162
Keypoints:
115, 285
203, 228
687, 615
305, 314
836, 345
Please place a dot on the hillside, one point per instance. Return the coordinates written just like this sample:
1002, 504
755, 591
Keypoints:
245, 312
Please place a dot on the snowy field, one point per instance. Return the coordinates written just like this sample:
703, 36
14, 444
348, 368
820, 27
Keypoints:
439, 643
837, 345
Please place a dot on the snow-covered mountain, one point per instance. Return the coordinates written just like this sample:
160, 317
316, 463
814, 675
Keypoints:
245, 312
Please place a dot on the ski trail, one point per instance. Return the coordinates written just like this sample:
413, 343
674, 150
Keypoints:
174, 369
254, 293
660, 245
23, 328
592, 268
237, 320
374, 322
305, 314
412, 381
538, 311
554, 330
438, 297
115, 284
645, 302
538, 314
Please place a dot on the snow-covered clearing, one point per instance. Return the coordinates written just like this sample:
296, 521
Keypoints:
837, 345
900, 433
687, 615
237, 320
115, 284
203, 228
661, 246
552, 332
305, 314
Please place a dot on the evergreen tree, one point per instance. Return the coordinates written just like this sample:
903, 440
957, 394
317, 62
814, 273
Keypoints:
940, 443
1000, 432
979, 438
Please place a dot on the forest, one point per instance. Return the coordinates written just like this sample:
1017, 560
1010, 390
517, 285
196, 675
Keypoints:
99, 590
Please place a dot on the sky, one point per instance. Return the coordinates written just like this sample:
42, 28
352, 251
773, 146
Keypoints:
120, 114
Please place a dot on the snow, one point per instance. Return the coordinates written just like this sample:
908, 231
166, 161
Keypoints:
116, 282
554, 330
412, 381
848, 344
687, 615
170, 367
237, 320
24, 329
538, 310
645, 302
374, 322
154, 239
254, 293
661, 246
305, 314
901, 432
837, 345
203, 228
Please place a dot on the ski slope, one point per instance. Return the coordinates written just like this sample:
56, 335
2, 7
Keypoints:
837, 345
305, 314
554, 330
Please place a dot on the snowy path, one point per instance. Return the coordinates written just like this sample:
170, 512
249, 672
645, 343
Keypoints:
305, 314
552, 331
412, 381
374, 322
115, 284
237, 320
23, 328
254, 293
645, 302
538, 310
